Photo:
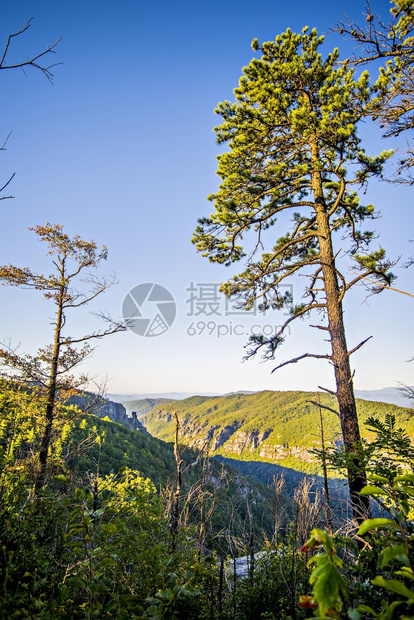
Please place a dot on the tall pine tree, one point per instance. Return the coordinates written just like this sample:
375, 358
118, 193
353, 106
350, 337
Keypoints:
293, 145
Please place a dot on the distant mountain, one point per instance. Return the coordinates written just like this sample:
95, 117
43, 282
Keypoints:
141, 407
273, 427
391, 395
124, 398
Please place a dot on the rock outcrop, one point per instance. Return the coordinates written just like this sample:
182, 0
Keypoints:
231, 439
96, 405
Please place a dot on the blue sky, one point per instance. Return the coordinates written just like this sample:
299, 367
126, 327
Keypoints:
121, 149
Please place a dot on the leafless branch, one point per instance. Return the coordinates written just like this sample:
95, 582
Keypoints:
200, 454
326, 390
4, 187
113, 329
313, 402
33, 61
407, 391
359, 346
301, 357
3, 146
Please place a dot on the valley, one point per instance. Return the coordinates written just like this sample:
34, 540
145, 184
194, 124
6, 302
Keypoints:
281, 428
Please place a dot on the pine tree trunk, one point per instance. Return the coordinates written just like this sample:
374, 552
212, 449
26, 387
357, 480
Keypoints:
340, 357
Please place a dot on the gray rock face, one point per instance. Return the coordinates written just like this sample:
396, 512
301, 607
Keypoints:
103, 408
231, 439
224, 434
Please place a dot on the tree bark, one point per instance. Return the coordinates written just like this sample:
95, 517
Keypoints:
51, 391
340, 356
328, 512
175, 507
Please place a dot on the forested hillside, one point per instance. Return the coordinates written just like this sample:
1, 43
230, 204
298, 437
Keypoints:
101, 446
280, 428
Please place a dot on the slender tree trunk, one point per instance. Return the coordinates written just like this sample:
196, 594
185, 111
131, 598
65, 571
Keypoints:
175, 507
251, 544
202, 526
221, 585
340, 357
51, 391
328, 511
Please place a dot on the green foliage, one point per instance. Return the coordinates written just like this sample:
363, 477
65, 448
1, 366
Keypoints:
164, 605
95, 551
293, 144
387, 557
328, 583
385, 451
97, 442
280, 573
281, 428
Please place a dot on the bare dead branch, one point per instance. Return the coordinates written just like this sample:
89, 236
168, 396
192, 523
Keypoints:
116, 327
324, 327
313, 402
33, 61
407, 391
5, 185
3, 146
326, 390
301, 357
359, 346
200, 454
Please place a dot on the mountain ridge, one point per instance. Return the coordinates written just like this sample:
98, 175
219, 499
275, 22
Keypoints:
390, 395
269, 426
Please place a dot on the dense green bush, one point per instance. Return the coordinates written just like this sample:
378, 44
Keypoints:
375, 579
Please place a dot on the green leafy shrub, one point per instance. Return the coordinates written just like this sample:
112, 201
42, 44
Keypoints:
377, 579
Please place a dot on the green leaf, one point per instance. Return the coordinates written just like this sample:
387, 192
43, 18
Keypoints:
372, 490
372, 524
61, 477
388, 612
109, 527
395, 551
405, 507
377, 478
329, 582
408, 490
393, 586
366, 609
107, 562
404, 478
77, 583
405, 572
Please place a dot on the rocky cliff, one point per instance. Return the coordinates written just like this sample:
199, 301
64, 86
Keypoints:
96, 405
281, 428
229, 439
